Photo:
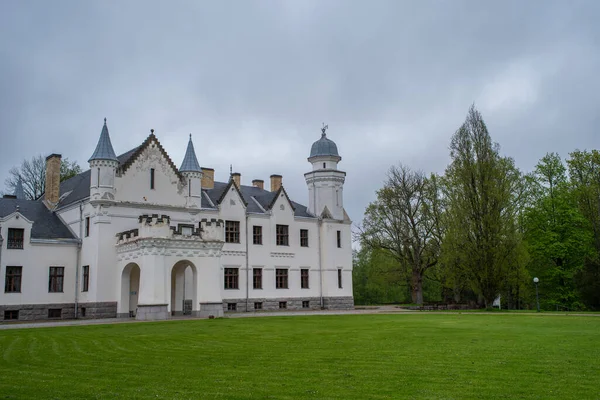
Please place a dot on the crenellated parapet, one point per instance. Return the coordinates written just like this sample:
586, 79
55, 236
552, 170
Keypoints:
155, 225
212, 229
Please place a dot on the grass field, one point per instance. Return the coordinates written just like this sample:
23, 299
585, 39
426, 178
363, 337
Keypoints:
453, 356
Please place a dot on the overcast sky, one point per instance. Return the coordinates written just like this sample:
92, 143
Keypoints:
254, 80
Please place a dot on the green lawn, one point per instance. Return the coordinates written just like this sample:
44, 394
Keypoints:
450, 356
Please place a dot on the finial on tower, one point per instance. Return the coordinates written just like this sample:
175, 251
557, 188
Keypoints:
152, 131
323, 129
230, 169
104, 120
190, 136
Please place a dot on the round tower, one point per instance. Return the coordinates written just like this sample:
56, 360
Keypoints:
325, 182
103, 166
191, 171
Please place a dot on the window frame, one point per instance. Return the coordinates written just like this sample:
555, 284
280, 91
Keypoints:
56, 281
232, 234
231, 278
87, 227
305, 304
13, 243
12, 314
85, 281
304, 278
282, 235
304, 238
257, 234
339, 239
13, 279
260, 305
281, 278
152, 175
340, 276
283, 305
257, 278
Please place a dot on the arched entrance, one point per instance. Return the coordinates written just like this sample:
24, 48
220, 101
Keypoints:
130, 287
184, 281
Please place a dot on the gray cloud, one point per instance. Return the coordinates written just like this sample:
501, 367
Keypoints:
253, 81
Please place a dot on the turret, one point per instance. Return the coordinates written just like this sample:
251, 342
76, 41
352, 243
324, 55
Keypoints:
191, 171
325, 182
103, 166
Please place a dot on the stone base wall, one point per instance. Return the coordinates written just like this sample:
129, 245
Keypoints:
292, 303
151, 312
38, 312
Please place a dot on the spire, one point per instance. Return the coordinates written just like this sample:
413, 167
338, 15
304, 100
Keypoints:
19, 192
104, 149
190, 162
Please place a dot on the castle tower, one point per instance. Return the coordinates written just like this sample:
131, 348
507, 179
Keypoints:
325, 182
192, 172
103, 165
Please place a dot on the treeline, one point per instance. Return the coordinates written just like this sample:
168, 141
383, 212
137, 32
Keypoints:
484, 229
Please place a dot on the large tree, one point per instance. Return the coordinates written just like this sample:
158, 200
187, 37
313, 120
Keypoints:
483, 192
404, 222
32, 174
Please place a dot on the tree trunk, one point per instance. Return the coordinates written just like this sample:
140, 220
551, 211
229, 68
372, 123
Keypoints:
417, 287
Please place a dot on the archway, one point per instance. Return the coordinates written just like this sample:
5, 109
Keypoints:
184, 283
130, 287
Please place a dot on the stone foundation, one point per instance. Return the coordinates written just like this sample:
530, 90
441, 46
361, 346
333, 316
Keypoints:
208, 310
38, 312
98, 310
151, 312
292, 303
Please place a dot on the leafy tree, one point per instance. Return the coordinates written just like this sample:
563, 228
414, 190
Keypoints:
483, 191
33, 175
404, 223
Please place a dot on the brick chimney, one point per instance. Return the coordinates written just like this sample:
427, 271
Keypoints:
237, 178
208, 178
275, 182
259, 183
52, 191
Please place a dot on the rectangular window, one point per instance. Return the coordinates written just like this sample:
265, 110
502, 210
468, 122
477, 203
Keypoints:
257, 234
283, 305
57, 276
12, 282
282, 235
232, 231
304, 278
82, 311
87, 226
305, 304
339, 278
54, 312
151, 178
303, 237
231, 306
15, 238
231, 278
11, 315
281, 278
257, 278
86, 278
258, 306
339, 239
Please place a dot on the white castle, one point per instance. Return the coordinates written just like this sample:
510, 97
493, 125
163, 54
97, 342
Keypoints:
135, 236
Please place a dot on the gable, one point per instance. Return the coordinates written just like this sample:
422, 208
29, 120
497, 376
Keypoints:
281, 206
231, 203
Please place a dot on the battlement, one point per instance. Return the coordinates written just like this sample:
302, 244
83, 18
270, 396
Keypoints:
159, 226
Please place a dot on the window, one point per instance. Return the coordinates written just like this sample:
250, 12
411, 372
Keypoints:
54, 312
324, 165
189, 187
257, 278
86, 278
231, 278
15, 238
151, 178
281, 278
258, 306
339, 278
339, 239
304, 278
303, 237
305, 304
11, 315
231, 306
82, 311
12, 283
283, 305
87, 226
257, 234
98, 178
282, 235
232, 231
55, 283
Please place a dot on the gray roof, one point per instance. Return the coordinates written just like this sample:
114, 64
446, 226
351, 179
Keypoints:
190, 162
46, 224
104, 149
19, 192
324, 147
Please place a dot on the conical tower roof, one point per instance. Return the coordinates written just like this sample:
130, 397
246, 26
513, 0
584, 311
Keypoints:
190, 162
104, 149
19, 192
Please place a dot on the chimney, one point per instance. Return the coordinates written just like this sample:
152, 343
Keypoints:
275, 182
52, 191
237, 178
259, 183
208, 178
